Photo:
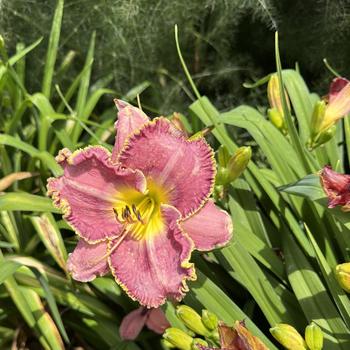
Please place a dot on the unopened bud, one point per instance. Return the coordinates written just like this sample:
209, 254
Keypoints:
210, 320
238, 162
198, 341
235, 166
223, 156
167, 345
276, 118
192, 320
317, 118
320, 131
314, 337
342, 273
288, 336
178, 338
274, 94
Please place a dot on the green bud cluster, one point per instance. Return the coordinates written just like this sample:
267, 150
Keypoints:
200, 330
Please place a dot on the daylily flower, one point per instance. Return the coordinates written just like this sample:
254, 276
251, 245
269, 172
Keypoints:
337, 188
237, 338
328, 111
141, 210
338, 102
134, 321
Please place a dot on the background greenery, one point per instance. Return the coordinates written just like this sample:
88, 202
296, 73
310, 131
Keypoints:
225, 42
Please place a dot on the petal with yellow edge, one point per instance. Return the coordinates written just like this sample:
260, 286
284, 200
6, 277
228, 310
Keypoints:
153, 266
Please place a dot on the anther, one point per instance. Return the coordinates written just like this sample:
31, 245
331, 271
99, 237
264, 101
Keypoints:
138, 215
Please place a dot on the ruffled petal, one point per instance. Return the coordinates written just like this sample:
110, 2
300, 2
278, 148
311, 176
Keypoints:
87, 190
130, 119
157, 321
88, 261
209, 228
132, 323
184, 168
157, 266
337, 188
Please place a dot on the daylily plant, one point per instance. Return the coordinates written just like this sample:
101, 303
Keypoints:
141, 210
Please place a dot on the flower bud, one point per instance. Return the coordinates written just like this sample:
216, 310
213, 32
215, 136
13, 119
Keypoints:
314, 337
198, 341
288, 336
234, 167
210, 320
342, 273
167, 345
192, 320
178, 338
223, 156
238, 162
274, 94
317, 118
320, 132
276, 118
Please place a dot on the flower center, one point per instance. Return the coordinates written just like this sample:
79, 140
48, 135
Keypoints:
140, 212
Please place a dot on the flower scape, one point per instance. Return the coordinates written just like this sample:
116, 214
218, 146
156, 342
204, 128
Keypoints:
141, 210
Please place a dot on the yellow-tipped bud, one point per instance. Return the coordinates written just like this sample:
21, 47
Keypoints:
276, 118
320, 133
314, 337
274, 95
238, 162
210, 320
317, 118
288, 336
192, 320
235, 166
178, 338
167, 345
223, 156
342, 273
198, 341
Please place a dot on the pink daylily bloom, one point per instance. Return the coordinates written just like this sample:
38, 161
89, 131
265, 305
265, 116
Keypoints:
338, 102
134, 321
336, 187
141, 210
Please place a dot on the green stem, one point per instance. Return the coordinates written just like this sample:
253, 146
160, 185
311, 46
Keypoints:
301, 151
